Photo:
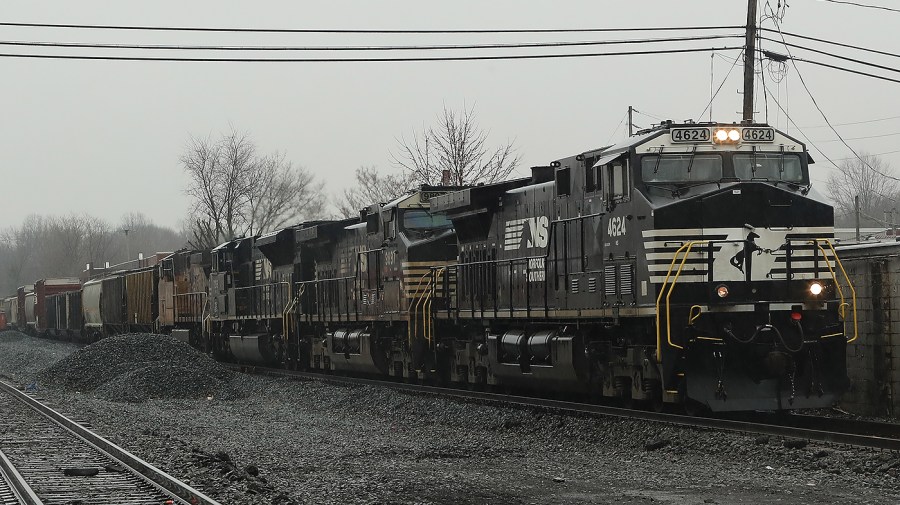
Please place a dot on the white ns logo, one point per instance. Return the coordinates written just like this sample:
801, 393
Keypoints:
616, 227
537, 228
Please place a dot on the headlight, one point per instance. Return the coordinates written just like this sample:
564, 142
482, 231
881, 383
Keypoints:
727, 135
815, 289
722, 290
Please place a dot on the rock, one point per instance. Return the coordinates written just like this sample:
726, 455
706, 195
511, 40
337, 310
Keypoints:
795, 443
658, 443
761, 440
252, 470
558, 479
81, 472
820, 453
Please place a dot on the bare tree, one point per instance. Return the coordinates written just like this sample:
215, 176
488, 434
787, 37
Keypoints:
98, 240
458, 145
872, 180
63, 239
373, 187
145, 237
236, 191
283, 194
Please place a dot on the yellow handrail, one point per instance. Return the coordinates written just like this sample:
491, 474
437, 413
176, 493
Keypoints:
414, 326
691, 316
426, 307
662, 290
837, 284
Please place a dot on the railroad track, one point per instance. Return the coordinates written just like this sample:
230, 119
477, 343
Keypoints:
814, 428
46, 457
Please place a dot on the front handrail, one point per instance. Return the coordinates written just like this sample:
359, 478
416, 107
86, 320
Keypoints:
818, 243
687, 248
684, 251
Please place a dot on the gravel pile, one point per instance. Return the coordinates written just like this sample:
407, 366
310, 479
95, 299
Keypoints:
137, 367
296, 442
22, 357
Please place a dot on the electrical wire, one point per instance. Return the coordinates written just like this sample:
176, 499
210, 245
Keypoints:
840, 44
857, 4
708, 105
91, 45
825, 117
617, 128
854, 122
864, 138
842, 69
812, 144
873, 154
366, 31
357, 60
826, 53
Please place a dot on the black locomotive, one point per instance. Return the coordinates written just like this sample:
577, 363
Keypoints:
688, 264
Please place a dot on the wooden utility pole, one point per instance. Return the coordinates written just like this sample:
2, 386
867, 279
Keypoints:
749, 59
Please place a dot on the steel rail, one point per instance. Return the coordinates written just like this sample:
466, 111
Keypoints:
875, 441
185, 494
20, 488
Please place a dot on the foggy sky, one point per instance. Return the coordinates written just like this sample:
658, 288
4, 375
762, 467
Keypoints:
105, 137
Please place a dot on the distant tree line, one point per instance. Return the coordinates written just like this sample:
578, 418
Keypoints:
61, 246
871, 180
237, 190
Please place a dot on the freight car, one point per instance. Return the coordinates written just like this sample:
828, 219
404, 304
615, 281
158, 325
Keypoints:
64, 315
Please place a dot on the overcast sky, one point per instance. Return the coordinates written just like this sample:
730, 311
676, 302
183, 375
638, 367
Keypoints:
105, 137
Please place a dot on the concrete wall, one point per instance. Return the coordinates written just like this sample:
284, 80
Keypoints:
873, 361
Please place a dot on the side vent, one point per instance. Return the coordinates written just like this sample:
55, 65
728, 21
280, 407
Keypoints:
592, 284
574, 285
626, 280
609, 280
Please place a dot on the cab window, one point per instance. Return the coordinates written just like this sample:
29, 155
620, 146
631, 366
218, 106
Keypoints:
771, 166
423, 220
681, 168
618, 183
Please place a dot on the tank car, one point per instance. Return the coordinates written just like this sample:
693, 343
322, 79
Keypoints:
689, 264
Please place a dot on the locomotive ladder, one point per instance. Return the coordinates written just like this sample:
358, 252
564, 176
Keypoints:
423, 297
665, 291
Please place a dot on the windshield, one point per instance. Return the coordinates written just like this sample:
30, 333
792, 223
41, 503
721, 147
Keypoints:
681, 168
423, 220
772, 166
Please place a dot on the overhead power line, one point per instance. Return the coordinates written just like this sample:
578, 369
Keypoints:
824, 116
840, 44
370, 59
843, 69
826, 53
370, 31
867, 6
855, 122
864, 138
93, 45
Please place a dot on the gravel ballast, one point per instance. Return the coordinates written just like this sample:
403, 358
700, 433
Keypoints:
258, 440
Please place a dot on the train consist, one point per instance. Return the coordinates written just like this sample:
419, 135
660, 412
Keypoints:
689, 264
